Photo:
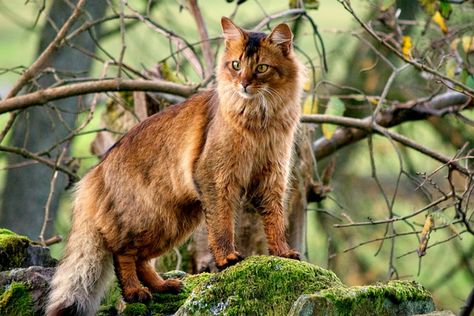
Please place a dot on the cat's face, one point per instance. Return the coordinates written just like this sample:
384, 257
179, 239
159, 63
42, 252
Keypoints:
256, 64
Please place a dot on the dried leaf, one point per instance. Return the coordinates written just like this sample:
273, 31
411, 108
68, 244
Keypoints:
425, 235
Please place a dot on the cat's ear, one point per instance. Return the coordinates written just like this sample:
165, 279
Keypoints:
231, 31
282, 37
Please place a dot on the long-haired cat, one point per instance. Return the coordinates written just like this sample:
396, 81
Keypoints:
193, 161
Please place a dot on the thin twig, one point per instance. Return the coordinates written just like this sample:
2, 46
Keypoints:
39, 63
52, 187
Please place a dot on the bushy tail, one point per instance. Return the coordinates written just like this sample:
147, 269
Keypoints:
82, 275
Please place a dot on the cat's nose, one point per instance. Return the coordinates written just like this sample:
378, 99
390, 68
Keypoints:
245, 84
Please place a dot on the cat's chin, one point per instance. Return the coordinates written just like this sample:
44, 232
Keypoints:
246, 95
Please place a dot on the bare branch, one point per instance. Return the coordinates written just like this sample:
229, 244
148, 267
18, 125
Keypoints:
50, 94
43, 58
25, 153
409, 111
204, 36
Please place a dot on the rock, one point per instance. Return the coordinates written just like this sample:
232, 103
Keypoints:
13, 249
33, 281
19, 252
265, 285
393, 298
257, 285
15, 299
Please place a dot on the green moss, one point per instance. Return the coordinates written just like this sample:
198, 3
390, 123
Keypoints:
16, 301
110, 301
393, 298
135, 309
13, 249
170, 303
258, 285
161, 303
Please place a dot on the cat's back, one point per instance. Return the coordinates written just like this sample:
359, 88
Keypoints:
166, 130
157, 152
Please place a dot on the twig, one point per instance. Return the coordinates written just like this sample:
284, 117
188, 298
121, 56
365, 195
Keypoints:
279, 15
25, 153
52, 186
409, 111
418, 65
365, 124
43, 58
204, 37
395, 219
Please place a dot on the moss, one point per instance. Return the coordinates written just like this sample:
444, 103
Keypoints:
258, 285
135, 309
13, 249
170, 303
393, 298
110, 301
16, 301
161, 303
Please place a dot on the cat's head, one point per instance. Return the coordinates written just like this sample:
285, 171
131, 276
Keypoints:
258, 65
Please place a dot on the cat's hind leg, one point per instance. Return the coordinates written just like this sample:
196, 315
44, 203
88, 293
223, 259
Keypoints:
126, 270
150, 278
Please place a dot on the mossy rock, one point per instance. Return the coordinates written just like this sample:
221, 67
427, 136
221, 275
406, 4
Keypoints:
15, 300
266, 285
162, 304
260, 285
393, 298
13, 249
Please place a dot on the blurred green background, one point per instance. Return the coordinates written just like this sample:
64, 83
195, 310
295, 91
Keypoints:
444, 271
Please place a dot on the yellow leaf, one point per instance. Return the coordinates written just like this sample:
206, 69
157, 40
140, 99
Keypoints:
307, 85
406, 47
310, 106
439, 20
468, 44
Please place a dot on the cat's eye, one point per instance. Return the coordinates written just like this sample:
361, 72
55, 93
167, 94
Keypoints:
236, 65
262, 68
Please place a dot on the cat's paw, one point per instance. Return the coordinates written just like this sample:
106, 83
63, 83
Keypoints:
230, 260
173, 286
290, 254
136, 294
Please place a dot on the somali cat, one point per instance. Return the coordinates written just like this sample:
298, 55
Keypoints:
195, 160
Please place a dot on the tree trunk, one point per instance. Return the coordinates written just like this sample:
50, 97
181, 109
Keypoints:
38, 128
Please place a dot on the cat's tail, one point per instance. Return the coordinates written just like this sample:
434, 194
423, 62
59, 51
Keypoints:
84, 272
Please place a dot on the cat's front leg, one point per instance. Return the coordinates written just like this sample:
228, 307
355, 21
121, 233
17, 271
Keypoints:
269, 200
220, 207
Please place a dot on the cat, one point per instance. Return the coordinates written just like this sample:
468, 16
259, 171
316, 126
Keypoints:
191, 162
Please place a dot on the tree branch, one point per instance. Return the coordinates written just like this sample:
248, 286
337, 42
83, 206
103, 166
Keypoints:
25, 153
50, 94
409, 111
43, 58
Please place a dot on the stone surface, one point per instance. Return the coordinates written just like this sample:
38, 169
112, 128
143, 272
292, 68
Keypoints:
394, 298
19, 252
34, 280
